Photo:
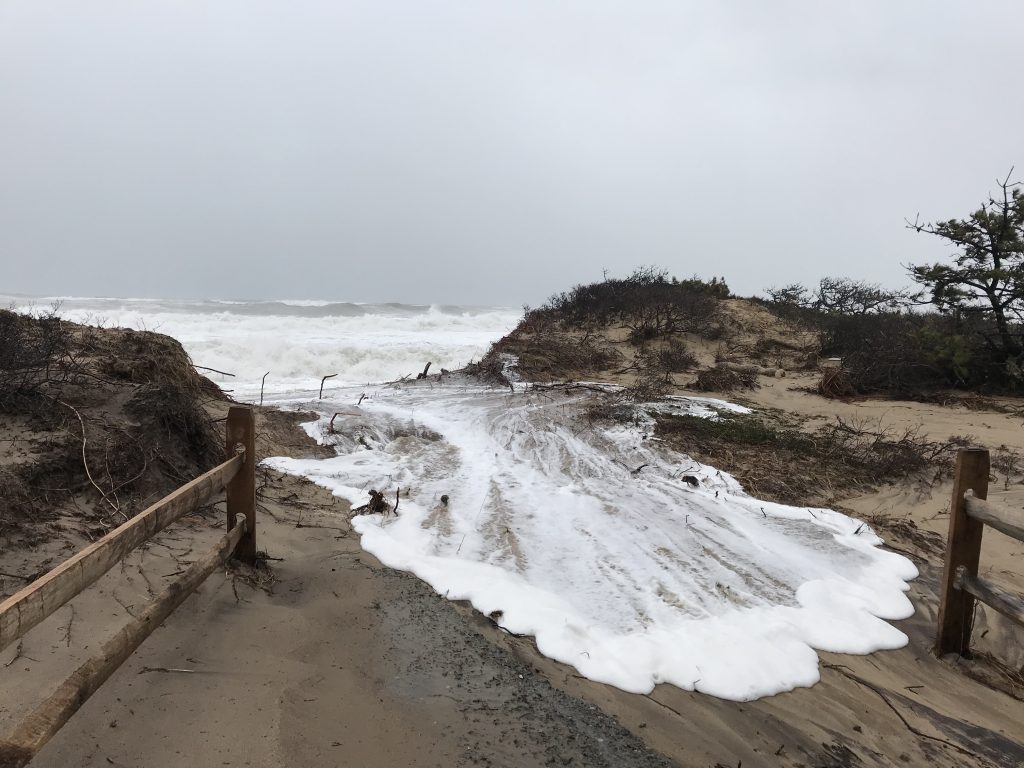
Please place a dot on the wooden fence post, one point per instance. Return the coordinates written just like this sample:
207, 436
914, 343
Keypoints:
241, 491
963, 548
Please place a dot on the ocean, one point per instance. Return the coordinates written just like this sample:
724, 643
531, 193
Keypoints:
297, 342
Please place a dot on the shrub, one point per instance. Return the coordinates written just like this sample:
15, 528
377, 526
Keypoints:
648, 302
546, 354
724, 380
835, 383
904, 352
115, 414
841, 296
34, 353
888, 348
675, 357
781, 462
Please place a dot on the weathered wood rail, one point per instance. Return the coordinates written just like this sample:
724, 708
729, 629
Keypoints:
961, 585
30, 606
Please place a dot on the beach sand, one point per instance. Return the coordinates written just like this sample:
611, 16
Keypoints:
331, 659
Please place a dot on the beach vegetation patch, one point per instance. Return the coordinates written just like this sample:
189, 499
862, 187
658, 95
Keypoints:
778, 460
103, 420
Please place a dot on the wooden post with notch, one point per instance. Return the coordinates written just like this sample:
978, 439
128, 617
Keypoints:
963, 549
240, 435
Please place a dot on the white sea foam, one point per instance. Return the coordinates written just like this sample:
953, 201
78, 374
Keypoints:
591, 541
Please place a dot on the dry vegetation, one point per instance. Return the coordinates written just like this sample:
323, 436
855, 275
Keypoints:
551, 352
98, 421
777, 460
724, 380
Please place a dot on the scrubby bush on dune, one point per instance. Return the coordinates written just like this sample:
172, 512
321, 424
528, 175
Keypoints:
35, 353
567, 336
548, 353
841, 296
109, 418
675, 357
784, 462
889, 344
724, 380
648, 302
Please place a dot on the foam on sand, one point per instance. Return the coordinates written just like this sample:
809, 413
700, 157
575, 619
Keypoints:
591, 540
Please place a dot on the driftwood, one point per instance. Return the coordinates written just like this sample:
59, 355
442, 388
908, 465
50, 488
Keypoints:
572, 385
377, 505
262, 382
424, 374
214, 370
325, 378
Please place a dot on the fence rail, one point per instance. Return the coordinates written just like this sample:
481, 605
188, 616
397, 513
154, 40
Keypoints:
1003, 519
41, 598
970, 512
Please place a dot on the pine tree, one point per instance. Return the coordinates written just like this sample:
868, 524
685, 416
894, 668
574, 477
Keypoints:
987, 273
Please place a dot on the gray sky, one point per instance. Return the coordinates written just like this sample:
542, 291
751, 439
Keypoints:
489, 152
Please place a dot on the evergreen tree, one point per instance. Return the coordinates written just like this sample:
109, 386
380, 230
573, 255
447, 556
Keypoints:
987, 273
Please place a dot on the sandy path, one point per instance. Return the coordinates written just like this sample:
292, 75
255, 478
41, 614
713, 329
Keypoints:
346, 663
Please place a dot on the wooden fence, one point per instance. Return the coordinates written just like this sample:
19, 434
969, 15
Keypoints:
24, 610
961, 586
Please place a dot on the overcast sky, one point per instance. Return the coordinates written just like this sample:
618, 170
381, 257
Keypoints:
489, 152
